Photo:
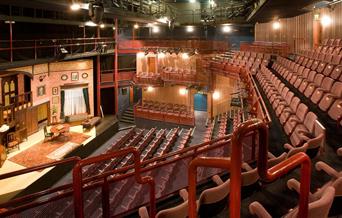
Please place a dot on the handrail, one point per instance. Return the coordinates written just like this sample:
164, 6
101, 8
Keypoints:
192, 175
265, 174
78, 182
73, 160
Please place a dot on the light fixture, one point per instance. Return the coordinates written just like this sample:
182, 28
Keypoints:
212, 3
90, 23
161, 55
163, 20
102, 26
183, 91
226, 29
141, 54
150, 88
276, 25
216, 95
185, 56
75, 6
190, 29
113, 27
155, 29
326, 20
192, 1
136, 26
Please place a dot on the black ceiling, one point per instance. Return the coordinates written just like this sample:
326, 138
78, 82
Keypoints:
274, 9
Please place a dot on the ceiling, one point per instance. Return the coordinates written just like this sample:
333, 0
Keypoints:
179, 11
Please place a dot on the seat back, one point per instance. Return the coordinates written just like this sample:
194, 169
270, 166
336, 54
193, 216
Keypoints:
336, 73
294, 103
301, 111
337, 89
309, 121
319, 208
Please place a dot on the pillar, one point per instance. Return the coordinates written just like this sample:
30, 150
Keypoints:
317, 32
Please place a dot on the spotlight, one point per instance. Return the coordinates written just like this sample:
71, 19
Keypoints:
326, 20
113, 27
183, 91
90, 23
276, 25
96, 10
75, 7
102, 26
136, 26
226, 29
190, 29
185, 56
155, 29
192, 1
141, 54
150, 88
216, 95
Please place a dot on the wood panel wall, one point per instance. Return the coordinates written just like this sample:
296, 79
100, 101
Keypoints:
298, 31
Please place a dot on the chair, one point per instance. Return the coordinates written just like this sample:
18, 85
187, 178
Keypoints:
48, 135
12, 141
317, 209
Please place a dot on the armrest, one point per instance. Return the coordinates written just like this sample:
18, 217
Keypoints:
288, 146
143, 212
293, 184
329, 95
257, 209
246, 166
217, 179
184, 194
294, 120
320, 165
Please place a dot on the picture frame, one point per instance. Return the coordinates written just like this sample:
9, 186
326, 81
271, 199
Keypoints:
74, 76
41, 91
54, 90
64, 77
55, 100
84, 75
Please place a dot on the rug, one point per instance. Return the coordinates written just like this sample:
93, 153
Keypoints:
37, 154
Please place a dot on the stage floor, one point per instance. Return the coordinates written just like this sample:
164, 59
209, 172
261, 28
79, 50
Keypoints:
34, 151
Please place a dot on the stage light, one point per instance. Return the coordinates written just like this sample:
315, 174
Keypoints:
75, 6
90, 23
141, 54
136, 26
276, 25
113, 27
190, 29
163, 20
185, 56
216, 95
192, 1
183, 91
226, 29
150, 88
102, 26
155, 29
161, 55
326, 20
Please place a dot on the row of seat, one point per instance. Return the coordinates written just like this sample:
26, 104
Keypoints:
320, 202
208, 135
321, 88
172, 113
299, 123
279, 48
223, 120
332, 42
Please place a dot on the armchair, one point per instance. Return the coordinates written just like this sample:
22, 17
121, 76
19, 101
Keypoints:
12, 141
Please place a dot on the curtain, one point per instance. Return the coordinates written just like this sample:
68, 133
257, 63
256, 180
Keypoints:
74, 102
86, 99
62, 104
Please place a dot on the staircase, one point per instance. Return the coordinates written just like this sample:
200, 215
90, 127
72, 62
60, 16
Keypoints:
128, 116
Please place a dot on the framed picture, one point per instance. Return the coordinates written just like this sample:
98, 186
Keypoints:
41, 90
55, 100
64, 77
54, 90
84, 75
74, 76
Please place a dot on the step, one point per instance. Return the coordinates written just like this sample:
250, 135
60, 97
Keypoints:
127, 116
127, 121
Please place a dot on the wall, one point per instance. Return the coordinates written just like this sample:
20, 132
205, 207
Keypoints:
298, 31
51, 73
169, 94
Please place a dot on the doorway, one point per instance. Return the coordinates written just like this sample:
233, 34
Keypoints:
108, 101
200, 102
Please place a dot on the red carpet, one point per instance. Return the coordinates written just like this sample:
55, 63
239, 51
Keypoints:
36, 154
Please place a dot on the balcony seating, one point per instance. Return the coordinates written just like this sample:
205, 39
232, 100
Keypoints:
317, 209
167, 112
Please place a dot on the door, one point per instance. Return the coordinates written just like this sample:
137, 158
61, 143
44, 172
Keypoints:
151, 64
200, 102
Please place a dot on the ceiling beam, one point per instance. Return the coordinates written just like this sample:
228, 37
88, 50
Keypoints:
255, 10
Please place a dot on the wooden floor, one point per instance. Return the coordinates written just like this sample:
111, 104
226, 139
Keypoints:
11, 186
